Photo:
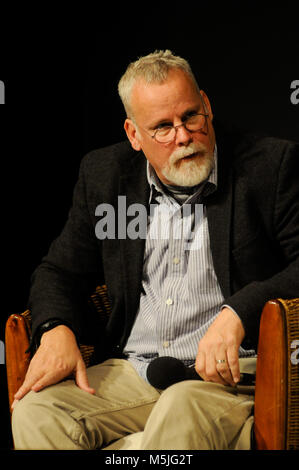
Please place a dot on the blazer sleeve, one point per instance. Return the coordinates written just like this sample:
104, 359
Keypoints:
72, 268
248, 302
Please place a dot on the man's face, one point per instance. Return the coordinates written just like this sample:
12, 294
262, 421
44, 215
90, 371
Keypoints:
187, 160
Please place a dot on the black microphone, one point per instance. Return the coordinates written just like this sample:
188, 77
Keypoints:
166, 370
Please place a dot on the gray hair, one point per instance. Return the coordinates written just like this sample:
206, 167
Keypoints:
153, 68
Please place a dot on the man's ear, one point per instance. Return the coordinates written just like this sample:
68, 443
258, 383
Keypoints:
132, 134
207, 104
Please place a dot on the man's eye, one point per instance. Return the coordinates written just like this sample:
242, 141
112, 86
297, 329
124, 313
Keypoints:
190, 115
164, 124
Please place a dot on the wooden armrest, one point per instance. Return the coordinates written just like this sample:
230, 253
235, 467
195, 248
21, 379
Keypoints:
17, 359
276, 415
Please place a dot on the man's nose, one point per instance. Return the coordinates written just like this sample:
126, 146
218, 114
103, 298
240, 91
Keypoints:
183, 137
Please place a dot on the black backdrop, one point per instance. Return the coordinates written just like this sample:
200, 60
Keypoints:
60, 70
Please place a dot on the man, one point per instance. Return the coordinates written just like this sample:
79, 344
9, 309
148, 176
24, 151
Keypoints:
196, 294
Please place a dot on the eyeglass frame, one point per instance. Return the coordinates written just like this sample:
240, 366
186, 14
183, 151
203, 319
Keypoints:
179, 125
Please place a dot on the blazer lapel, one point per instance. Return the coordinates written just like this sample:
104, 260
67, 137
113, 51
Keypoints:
135, 188
219, 208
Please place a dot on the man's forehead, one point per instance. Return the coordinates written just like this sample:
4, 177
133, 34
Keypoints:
177, 91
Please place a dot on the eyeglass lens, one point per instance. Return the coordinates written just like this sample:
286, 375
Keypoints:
193, 124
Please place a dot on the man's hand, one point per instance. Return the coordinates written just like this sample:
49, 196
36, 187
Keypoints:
57, 357
217, 357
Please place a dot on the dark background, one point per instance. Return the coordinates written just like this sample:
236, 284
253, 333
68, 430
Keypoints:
61, 70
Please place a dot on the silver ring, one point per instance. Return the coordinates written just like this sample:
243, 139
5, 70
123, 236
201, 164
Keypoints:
220, 361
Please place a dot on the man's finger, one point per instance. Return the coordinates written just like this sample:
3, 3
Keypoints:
233, 361
14, 404
222, 365
205, 367
45, 381
26, 386
82, 379
200, 364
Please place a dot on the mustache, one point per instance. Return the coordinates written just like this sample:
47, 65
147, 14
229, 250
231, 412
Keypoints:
183, 152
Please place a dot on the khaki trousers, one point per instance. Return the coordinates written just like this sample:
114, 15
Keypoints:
189, 415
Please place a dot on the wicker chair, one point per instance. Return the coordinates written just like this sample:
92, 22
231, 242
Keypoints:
276, 413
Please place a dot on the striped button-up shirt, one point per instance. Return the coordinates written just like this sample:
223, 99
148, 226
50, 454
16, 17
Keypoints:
181, 295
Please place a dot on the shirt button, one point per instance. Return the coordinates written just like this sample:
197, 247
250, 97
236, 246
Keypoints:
166, 344
176, 260
169, 301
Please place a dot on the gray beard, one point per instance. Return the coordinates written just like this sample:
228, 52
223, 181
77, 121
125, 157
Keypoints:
190, 173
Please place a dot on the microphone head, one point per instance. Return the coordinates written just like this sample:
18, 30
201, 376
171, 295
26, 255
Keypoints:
165, 371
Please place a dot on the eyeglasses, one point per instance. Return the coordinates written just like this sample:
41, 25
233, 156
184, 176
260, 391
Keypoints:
166, 134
